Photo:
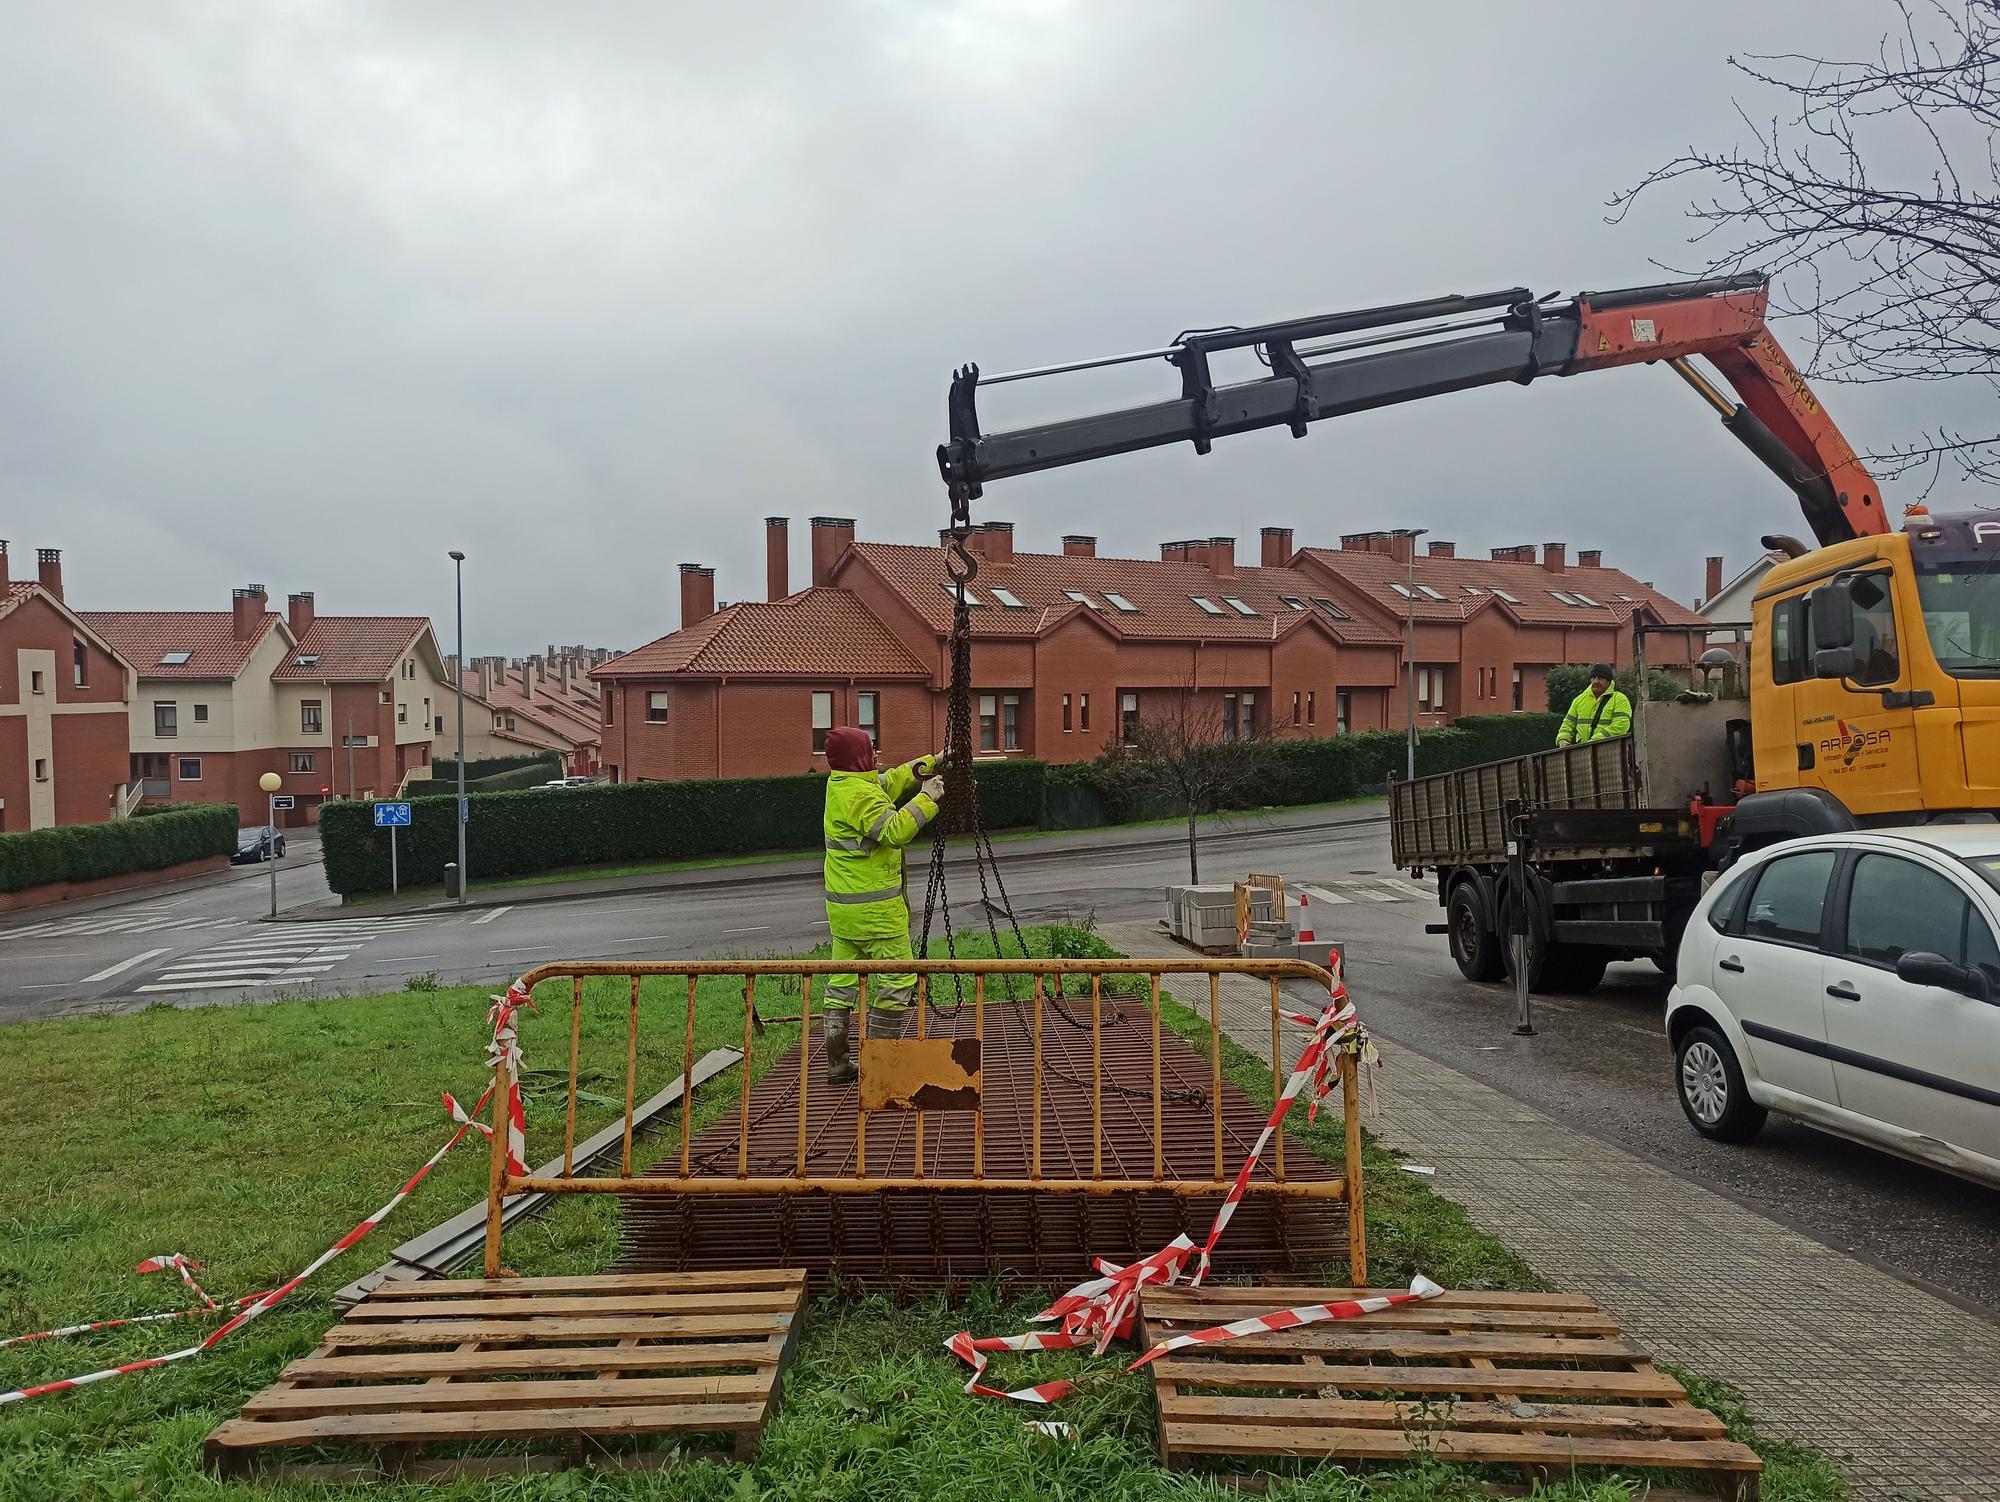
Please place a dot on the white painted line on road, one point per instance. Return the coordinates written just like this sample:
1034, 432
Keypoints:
760, 928
648, 939
1397, 884
51, 985
1644, 1032
403, 959
1320, 894
489, 917
121, 967
524, 949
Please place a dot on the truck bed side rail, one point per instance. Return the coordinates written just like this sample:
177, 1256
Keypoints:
1454, 818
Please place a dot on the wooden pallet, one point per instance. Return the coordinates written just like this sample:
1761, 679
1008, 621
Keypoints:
1536, 1382
481, 1366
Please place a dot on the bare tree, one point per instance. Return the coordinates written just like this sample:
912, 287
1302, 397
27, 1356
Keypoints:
1870, 196
1188, 751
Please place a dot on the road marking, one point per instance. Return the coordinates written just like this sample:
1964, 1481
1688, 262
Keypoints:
524, 949
1320, 894
1644, 1032
403, 959
489, 917
121, 967
650, 938
49, 985
1397, 884
760, 928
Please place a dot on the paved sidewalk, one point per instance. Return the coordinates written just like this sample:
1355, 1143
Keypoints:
1899, 1386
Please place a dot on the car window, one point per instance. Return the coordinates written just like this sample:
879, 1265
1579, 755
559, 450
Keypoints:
1895, 906
1722, 911
1790, 898
1980, 950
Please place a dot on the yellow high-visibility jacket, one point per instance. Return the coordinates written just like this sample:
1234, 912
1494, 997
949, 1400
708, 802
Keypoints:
1593, 719
865, 836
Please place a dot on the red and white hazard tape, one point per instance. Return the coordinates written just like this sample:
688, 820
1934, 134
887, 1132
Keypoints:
174, 1260
1096, 1312
1290, 1319
504, 1045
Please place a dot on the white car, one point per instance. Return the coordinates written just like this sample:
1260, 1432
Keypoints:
1851, 981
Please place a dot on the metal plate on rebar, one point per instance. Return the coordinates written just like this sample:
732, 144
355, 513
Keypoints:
920, 1074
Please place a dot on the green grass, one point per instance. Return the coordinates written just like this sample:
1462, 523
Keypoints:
250, 1137
661, 868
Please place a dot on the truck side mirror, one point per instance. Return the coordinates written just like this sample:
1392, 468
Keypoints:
1835, 662
1831, 608
1922, 968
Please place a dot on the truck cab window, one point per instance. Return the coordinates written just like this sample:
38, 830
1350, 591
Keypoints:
1874, 631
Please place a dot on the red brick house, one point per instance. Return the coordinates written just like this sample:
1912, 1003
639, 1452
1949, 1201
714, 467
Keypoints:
64, 696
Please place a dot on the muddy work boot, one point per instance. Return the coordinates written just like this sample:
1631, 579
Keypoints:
840, 1068
887, 1022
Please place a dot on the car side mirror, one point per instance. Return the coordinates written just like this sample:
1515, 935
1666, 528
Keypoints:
1922, 968
1836, 662
1831, 608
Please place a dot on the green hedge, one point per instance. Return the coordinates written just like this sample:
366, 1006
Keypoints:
1567, 680
533, 775
544, 829
446, 767
87, 852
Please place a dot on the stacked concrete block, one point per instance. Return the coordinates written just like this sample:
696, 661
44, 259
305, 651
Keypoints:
1316, 952
1208, 916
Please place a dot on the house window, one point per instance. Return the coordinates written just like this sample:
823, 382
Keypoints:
309, 720
382, 697
610, 706
867, 716
166, 717
1296, 698
1331, 610
1517, 688
1430, 688
190, 769
510, 722
1119, 602
1239, 716
201, 714
1311, 711
999, 722
1128, 718
822, 706
35, 682
1343, 707
1083, 711
437, 726
656, 706
1208, 606
79, 660
41, 769
1066, 714
305, 761
499, 722
402, 714
1007, 597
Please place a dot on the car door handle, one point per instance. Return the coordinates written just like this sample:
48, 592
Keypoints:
1843, 992
1731, 963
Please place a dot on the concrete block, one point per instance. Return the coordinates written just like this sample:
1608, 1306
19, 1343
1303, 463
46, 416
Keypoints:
1276, 951
1317, 952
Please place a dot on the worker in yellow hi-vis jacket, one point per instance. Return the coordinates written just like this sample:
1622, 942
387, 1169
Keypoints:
1599, 713
866, 905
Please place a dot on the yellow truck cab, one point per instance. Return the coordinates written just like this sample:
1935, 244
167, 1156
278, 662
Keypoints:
1875, 682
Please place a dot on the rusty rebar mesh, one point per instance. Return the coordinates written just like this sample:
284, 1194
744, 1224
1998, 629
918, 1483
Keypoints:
920, 1238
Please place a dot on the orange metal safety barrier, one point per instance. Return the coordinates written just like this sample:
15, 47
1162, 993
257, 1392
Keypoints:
927, 1076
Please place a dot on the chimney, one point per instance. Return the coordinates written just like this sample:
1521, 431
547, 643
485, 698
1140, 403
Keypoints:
1173, 552
998, 543
1552, 556
1277, 547
1222, 556
1590, 558
830, 537
48, 566
1076, 545
299, 611
1525, 553
1402, 546
4, 586
482, 678
1714, 579
777, 557
697, 597
246, 609
1442, 550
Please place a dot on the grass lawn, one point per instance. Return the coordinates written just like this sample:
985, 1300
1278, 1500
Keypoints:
249, 1137
656, 868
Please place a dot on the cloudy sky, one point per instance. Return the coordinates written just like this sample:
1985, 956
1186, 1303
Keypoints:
308, 293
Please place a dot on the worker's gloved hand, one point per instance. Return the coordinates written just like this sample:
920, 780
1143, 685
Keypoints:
929, 765
934, 789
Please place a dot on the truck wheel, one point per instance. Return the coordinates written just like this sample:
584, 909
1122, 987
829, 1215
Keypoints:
1710, 1085
1475, 947
1576, 968
1538, 949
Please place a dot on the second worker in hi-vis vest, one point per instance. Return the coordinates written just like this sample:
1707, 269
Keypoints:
866, 904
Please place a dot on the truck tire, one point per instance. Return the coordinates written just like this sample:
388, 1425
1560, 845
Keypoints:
1477, 949
1577, 969
1538, 948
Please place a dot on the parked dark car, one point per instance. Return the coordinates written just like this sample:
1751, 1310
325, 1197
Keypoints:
263, 843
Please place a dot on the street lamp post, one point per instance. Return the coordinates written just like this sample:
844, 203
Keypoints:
270, 782
1410, 648
458, 576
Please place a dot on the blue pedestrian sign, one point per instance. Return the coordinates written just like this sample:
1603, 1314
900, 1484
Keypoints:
388, 815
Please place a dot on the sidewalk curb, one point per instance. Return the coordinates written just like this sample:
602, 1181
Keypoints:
774, 871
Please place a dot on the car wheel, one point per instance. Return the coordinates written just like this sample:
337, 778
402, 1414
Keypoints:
1710, 1084
281, 850
1474, 946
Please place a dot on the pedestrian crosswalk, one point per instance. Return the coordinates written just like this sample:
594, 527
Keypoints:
63, 928
1354, 889
277, 954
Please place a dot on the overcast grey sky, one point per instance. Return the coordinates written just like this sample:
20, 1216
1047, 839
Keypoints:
308, 293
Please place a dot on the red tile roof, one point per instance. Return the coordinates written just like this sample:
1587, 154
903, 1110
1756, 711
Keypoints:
351, 648
1164, 594
143, 637
1381, 577
814, 633
572, 722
